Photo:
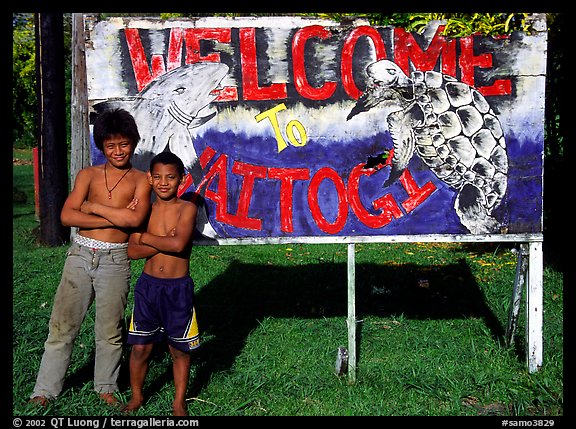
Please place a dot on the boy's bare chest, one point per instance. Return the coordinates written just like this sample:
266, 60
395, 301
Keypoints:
163, 219
115, 191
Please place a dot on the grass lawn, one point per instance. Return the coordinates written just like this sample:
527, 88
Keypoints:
273, 316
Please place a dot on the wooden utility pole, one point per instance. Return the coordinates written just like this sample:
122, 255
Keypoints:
52, 148
79, 115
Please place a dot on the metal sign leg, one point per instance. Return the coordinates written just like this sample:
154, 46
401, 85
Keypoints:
351, 321
529, 274
519, 284
534, 307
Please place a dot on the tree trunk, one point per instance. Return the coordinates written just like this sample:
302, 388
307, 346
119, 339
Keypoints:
52, 147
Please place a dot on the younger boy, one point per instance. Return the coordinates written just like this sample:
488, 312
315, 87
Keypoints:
106, 202
164, 292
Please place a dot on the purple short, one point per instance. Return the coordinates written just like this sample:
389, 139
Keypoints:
163, 309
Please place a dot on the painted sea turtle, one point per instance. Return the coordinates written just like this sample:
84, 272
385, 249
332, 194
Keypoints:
452, 128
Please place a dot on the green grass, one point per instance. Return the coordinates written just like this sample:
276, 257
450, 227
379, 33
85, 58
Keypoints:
273, 316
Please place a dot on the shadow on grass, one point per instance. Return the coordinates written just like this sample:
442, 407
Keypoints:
230, 306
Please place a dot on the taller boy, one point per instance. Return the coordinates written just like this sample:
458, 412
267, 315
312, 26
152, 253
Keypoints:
107, 201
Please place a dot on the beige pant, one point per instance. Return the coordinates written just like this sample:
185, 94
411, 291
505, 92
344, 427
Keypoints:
100, 276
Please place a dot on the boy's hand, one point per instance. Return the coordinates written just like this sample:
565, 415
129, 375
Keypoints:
86, 207
132, 205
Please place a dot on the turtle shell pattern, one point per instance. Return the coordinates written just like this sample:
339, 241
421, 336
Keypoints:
460, 137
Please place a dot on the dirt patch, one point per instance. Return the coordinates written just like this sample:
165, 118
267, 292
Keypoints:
16, 161
495, 409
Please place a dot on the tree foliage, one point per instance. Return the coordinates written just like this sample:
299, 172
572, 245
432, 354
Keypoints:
457, 24
24, 92
24, 103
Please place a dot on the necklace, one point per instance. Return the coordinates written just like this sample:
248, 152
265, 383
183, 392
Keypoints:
113, 187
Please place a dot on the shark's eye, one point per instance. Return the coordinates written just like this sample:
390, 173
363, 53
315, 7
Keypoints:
179, 90
391, 72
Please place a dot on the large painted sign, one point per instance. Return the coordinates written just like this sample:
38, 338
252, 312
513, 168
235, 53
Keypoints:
293, 127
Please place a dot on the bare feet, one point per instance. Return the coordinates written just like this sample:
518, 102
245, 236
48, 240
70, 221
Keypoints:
39, 400
179, 409
132, 405
109, 398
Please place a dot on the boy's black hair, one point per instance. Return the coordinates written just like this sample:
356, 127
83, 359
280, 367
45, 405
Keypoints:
168, 158
115, 122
